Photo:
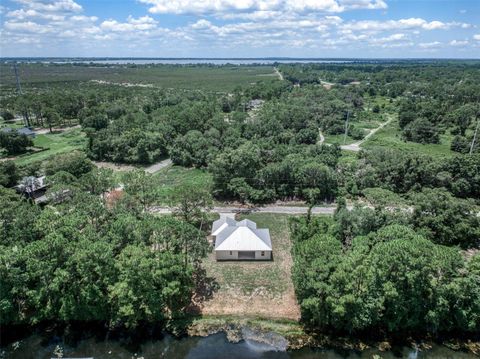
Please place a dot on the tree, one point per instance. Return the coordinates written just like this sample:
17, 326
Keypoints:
317, 177
179, 237
152, 286
311, 274
51, 117
6, 115
8, 174
75, 163
422, 131
192, 149
14, 143
460, 144
139, 186
446, 220
191, 203
98, 181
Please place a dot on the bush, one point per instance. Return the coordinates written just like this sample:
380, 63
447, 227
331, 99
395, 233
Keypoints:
14, 143
422, 131
75, 163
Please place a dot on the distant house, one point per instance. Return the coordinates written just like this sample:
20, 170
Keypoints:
241, 240
22, 131
33, 188
254, 104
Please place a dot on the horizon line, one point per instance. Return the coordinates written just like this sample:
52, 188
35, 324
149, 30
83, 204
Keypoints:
237, 58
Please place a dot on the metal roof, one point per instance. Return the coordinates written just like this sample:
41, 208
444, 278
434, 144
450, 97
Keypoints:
240, 236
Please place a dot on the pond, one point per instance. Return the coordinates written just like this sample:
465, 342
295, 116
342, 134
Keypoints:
211, 347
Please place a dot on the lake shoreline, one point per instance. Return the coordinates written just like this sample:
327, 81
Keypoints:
278, 335
298, 338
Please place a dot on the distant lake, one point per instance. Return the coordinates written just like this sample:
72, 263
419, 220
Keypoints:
184, 61
209, 61
212, 347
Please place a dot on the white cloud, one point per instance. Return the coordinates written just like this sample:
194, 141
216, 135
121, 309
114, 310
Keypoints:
430, 45
82, 18
260, 7
52, 5
284, 27
391, 38
142, 23
26, 26
458, 43
22, 14
410, 23
434, 25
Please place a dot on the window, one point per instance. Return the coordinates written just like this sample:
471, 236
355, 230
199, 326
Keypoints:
263, 253
231, 253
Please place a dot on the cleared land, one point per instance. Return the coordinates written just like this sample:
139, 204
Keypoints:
218, 79
167, 179
51, 144
391, 137
255, 289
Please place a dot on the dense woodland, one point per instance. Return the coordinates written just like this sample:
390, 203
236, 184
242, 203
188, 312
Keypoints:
407, 265
382, 272
89, 256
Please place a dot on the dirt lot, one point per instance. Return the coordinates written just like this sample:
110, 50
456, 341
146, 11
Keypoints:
113, 166
254, 289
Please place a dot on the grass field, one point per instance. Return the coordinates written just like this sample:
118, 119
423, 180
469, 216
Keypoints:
168, 178
339, 139
218, 79
256, 289
390, 137
53, 144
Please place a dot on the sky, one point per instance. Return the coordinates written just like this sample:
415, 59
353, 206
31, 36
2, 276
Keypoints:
240, 28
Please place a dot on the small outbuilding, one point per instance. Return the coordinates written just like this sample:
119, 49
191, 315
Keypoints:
241, 240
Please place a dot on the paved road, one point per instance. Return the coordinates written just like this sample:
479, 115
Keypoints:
158, 166
266, 209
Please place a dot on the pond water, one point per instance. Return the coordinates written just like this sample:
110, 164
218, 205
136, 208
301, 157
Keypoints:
211, 347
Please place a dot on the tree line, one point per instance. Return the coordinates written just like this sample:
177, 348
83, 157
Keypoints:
377, 272
91, 255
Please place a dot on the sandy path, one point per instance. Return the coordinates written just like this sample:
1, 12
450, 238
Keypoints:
280, 76
356, 146
158, 166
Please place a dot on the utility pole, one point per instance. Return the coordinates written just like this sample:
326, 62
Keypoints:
346, 128
19, 89
474, 135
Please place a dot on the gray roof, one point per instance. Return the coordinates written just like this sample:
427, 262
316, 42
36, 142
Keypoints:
23, 131
221, 224
31, 184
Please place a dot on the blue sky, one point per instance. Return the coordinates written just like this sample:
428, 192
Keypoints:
241, 28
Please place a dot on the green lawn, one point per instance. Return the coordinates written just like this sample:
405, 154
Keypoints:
339, 139
53, 144
390, 137
168, 178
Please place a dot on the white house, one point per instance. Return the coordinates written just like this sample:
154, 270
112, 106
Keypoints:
241, 240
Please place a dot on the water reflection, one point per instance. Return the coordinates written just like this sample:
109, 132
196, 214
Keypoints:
211, 347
